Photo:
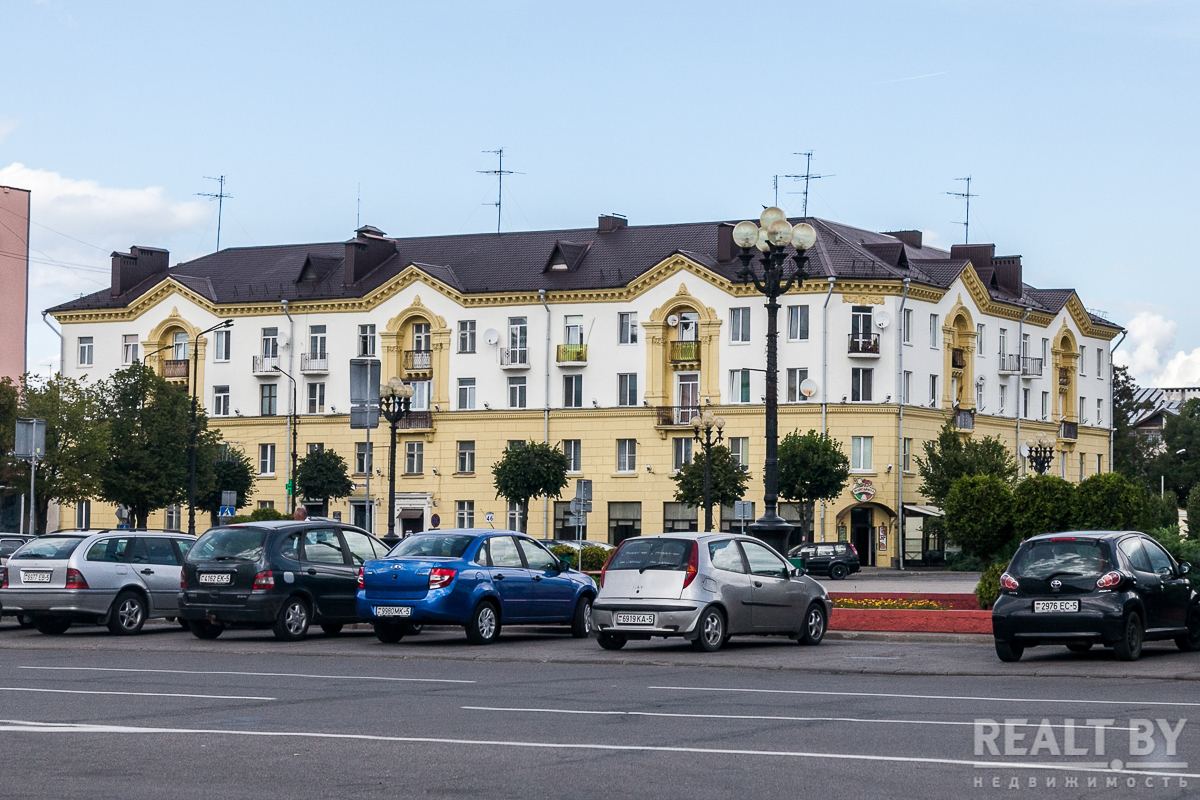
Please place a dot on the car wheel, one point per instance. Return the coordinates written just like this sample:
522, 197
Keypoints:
183, 623
203, 629
25, 621
612, 641
51, 625
389, 632
712, 631
581, 623
292, 623
1009, 651
484, 625
128, 614
332, 628
814, 626
1080, 647
1129, 646
838, 571
1191, 642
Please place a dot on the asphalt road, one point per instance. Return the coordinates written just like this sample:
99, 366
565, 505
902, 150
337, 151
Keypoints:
165, 716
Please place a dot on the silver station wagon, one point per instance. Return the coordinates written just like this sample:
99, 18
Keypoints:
705, 587
117, 578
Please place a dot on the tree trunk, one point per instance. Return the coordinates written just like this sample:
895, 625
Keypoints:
525, 515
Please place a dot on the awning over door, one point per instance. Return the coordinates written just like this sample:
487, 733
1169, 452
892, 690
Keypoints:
924, 511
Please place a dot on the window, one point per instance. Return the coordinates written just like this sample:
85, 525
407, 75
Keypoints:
466, 336
180, 347
366, 340
83, 515
562, 510
860, 384
1099, 463
421, 339
979, 404
171, 521
627, 322
573, 324
1082, 461
797, 323
627, 393
624, 521
933, 390
572, 391
739, 448
316, 342
363, 462
466, 457
860, 323
316, 398
1025, 403
266, 459
981, 340
906, 388
316, 447
739, 325
1045, 353
1024, 345
680, 517
626, 455
414, 458
763, 562
1002, 340
689, 326
1045, 405
322, 546
1082, 361
129, 349
223, 341
518, 341
362, 548
860, 453
1099, 412
270, 343
420, 398
933, 331
739, 386
85, 351
466, 394
682, 452
268, 395
266, 503
572, 449
220, 401
1003, 397
1082, 410
516, 392
795, 377
906, 326
464, 517
725, 556
536, 557
906, 455
1099, 363
514, 516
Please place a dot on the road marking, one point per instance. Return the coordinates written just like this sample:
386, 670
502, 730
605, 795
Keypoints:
25, 726
253, 674
775, 718
135, 694
923, 696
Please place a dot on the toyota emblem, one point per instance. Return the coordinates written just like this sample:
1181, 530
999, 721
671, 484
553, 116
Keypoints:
1056, 584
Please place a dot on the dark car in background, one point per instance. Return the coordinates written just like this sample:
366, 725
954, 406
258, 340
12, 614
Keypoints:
835, 559
282, 575
1114, 588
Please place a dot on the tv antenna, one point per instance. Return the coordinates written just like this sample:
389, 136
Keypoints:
777, 191
499, 172
966, 223
220, 197
358, 209
807, 176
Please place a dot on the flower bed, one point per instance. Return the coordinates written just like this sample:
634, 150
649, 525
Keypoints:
960, 602
914, 613
900, 603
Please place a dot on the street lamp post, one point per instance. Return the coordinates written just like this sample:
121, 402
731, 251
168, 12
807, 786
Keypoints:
294, 424
395, 398
706, 423
1040, 452
192, 428
771, 240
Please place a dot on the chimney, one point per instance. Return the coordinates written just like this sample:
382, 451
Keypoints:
910, 238
726, 249
130, 269
1008, 274
365, 252
611, 222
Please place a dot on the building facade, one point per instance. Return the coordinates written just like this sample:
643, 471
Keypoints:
14, 280
606, 342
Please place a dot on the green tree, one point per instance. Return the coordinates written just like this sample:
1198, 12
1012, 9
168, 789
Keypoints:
812, 467
528, 470
949, 457
1133, 455
1108, 502
229, 470
979, 512
77, 437
1042, 504
10, 404
260, 515
728, 480
1193, 513
323, 475
1180, 469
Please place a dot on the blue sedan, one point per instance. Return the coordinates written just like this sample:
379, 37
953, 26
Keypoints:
477, 579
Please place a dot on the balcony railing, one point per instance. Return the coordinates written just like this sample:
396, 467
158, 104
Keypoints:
1031, 367
514, 357
1064, 376
416, 421
958, 358
964, 419
176, 368
265, 365
677, 415
314, 362
418, 360
685, 351
572, 354
863, 344
1068, 430
1010, 362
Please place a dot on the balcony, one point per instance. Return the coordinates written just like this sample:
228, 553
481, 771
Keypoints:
964, 419
1010, 364
1064, 376
572, 355
418, 360
863, 345
1031, 367
1068, 430
685, 352
514, 358
265, 365
416, 421
677, 415
314, 363
176, 368
958, 358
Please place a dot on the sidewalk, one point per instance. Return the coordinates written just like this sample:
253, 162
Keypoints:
881, 580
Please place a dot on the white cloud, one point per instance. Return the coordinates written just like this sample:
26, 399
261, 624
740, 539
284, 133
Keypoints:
1182, 370
1149, 353
7, 126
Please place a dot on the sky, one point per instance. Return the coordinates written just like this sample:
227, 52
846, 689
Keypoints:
1076, 121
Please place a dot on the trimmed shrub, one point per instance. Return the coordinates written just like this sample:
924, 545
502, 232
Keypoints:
988, 589
1042, 504
979, 515
258, 515
961, 562
1108, 502
593, 557
1193, 511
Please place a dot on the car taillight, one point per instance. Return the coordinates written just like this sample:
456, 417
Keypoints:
75, 580
263, 581
1009, 583
854, 550
182, 579
3, 577
360, 577
1109, 580
693, 565
440, 576
608, 561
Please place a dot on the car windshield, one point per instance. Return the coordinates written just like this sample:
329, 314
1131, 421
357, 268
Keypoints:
52, 547
651, 554
1080, 558
229, 544
433, 545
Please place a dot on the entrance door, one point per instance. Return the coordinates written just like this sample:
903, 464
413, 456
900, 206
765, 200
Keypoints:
860, 535
412, 520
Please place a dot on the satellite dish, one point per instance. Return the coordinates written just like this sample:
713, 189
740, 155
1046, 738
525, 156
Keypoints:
490, 336
1024, 450
882, 319
981, 380
808, 387
673, 320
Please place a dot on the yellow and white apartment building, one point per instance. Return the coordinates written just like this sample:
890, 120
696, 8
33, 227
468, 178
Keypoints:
605, 341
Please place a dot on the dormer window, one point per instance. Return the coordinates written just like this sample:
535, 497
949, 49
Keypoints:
558, 262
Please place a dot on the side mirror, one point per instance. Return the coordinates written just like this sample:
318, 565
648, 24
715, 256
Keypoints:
797, 572
1184, 568
564, 564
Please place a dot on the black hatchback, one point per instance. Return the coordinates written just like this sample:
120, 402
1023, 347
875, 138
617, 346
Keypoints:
1115, 588
835, 559
278, 575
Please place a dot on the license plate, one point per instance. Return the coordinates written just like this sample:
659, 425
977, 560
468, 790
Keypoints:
215, 578
635, 619
393, 611
1052, 606
28, 576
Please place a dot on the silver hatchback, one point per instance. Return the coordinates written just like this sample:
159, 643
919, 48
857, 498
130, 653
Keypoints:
705, 587
118, 578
